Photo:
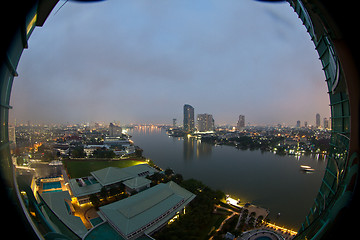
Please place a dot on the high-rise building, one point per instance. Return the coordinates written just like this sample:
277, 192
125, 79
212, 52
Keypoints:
305, 124
298, 123
205, 122
174, 122
241, 123
114, 130
326, 123
12, 137
318, 120
189, 122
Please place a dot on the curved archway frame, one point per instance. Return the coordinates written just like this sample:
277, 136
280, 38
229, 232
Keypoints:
341, 175
339, 189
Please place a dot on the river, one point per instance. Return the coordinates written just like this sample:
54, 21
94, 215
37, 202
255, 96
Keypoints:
262, 178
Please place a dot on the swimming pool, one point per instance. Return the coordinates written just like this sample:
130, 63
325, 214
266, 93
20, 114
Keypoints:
96, 221
51, 185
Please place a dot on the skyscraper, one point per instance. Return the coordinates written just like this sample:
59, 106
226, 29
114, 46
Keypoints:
189, 122
12, 137
205, 122
241, 123
114, 130
326, 123
317, 120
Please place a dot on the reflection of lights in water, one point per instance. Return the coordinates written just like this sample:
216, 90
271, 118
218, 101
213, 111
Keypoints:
147, 128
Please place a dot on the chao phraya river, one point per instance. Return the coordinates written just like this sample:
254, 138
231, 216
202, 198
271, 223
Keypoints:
262, 178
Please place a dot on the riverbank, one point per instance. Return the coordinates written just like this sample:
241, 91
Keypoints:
215, 216
284, 141
265, 179
210, 214
106, 159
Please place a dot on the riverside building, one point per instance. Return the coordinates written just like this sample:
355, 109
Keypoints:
189, 123
205, 122
241, 123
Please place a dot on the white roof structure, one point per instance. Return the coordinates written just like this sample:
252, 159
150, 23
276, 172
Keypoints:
146, 211
80, 191
137, 182
112, 175
59, 203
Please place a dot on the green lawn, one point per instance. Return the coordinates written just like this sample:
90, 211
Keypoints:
83, 168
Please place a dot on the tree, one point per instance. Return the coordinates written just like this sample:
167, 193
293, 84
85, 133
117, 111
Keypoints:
78, 152
259, 221
94, 200
178, 178
198, 220
156, 177
103, 153
104, 193
138, 152
169, 172
251, 221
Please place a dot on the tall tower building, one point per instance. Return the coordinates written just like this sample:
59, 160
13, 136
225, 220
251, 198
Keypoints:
241, 123
189, 122
205, 122
326, 123
12, 137
174, 122
317, 120
114, 130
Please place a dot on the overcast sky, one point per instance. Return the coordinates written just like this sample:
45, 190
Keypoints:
140, 61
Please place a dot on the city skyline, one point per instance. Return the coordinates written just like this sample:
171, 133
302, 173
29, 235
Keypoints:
140, 64
240, 124
189, 123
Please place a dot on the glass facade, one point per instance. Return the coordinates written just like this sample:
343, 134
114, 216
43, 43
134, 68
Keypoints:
189, 122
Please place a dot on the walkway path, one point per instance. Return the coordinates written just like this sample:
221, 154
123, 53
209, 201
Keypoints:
226, 219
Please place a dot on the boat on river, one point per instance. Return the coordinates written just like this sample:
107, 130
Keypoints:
306, 168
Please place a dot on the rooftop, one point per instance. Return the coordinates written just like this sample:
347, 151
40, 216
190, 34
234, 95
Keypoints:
60, 205
111, 175
83, 190
147, 210
137, 182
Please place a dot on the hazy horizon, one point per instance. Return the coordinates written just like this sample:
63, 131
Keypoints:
140, 62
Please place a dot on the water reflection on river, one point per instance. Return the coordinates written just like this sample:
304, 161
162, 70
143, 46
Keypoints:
262, 178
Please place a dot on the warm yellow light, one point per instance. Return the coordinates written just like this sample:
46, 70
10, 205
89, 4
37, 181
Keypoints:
31, 24
280, 228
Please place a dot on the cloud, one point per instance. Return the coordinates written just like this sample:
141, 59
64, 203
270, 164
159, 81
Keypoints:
132, 60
